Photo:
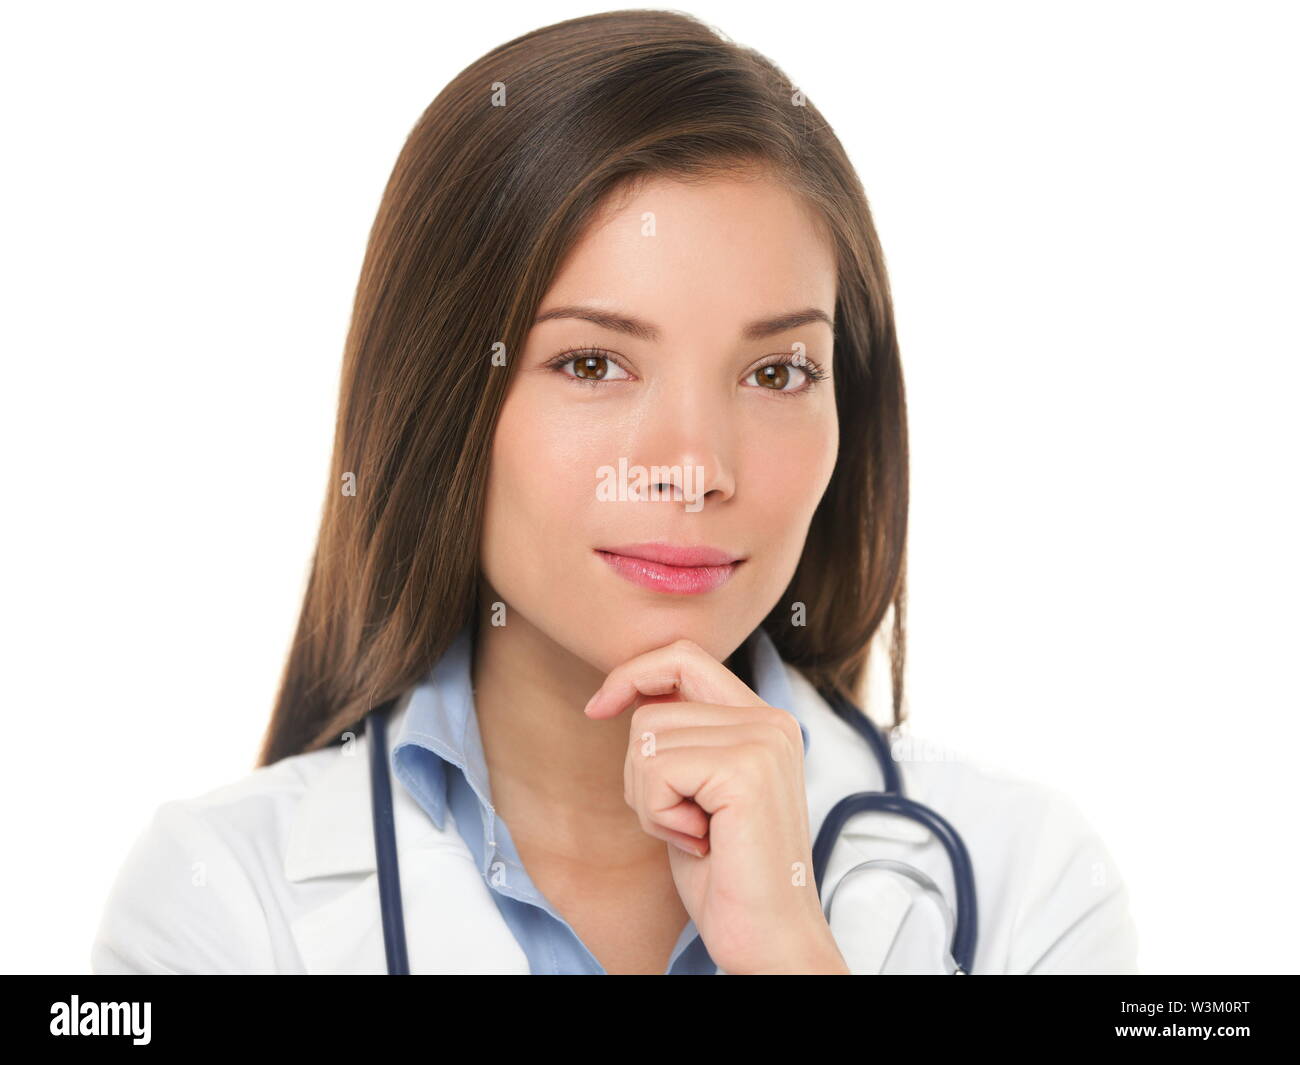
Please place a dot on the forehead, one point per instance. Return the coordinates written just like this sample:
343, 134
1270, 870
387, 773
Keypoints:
701, 256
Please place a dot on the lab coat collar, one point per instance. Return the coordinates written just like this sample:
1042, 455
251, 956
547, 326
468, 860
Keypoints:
452, 923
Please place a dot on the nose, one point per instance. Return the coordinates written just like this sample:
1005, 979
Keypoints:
687, 443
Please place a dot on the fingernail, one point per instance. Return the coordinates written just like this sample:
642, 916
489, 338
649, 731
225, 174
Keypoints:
587, 708
683, 847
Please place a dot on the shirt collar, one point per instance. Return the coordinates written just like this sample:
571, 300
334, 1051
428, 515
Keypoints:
440, 726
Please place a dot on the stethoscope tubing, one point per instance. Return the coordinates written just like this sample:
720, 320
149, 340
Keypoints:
892, 800
390, 882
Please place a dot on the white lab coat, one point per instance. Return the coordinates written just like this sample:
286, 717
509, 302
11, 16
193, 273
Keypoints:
276, 873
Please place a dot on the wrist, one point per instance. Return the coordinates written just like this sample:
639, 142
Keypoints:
813, 954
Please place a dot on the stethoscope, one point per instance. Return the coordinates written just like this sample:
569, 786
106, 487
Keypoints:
891, 800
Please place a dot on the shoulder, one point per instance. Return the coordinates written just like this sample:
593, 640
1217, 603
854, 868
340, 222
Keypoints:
199, 889
1051, 897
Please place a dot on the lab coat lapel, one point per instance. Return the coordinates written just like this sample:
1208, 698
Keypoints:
452, 923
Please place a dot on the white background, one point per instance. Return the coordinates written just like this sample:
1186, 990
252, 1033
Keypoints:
1089, 213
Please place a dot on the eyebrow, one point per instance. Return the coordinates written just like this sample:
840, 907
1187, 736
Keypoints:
641, 330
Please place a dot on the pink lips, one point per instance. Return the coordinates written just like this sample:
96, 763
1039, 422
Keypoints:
671, 568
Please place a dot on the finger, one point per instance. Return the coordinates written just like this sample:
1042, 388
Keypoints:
683, 822
658, 718
683, 813
666, 726
685, 817
712, 778
683, 668
666, 814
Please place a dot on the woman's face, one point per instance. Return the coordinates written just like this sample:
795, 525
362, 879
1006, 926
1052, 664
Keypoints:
685, 394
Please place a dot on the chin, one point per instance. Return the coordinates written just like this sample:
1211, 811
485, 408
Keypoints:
621, 640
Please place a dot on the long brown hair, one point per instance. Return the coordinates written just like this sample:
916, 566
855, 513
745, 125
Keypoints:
490, 191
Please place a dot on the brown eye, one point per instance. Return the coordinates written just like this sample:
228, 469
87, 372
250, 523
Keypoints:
776, 376
591, 367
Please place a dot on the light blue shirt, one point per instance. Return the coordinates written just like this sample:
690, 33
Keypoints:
440, 731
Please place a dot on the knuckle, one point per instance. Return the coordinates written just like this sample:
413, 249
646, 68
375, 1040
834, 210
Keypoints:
765, 759
640, 720
790, 729
785, 725
687, 645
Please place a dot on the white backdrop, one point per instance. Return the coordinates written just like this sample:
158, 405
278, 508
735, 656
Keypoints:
1089, 214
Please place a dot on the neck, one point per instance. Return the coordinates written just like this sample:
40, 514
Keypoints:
556, 776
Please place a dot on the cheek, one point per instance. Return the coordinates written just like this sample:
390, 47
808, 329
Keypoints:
787, 480
541, 485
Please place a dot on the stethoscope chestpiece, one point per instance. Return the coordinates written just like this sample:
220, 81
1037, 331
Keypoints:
930, 889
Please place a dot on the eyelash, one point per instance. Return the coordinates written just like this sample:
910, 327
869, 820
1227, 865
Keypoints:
813, 371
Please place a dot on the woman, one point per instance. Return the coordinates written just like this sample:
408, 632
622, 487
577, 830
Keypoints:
618, 503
